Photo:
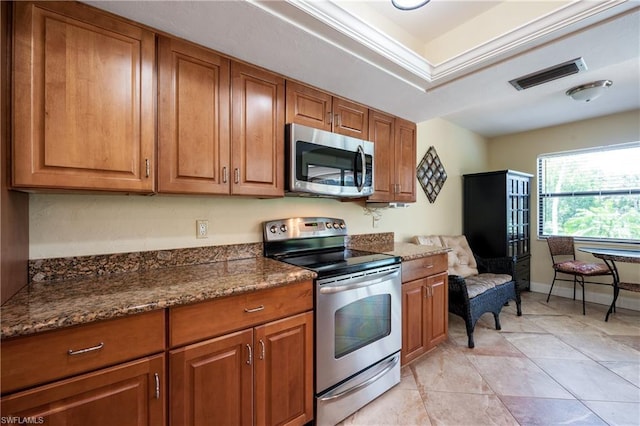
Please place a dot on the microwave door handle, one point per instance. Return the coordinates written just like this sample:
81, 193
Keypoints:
363, 159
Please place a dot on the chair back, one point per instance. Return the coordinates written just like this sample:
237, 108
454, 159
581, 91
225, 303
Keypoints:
561, 247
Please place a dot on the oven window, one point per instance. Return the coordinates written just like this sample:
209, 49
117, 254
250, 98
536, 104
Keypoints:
361, 323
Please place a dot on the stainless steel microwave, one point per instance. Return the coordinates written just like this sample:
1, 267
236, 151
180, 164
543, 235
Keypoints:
327, 164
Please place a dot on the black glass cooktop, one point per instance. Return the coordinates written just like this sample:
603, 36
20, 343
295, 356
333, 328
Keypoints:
340, 261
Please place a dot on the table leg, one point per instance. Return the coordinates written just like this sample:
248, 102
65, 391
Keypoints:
616, 290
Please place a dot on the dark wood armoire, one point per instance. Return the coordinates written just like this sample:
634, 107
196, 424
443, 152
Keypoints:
496, 218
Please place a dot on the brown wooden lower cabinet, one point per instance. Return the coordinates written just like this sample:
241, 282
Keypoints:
424, 305
261, 375
239, 360
132, 393
211, 381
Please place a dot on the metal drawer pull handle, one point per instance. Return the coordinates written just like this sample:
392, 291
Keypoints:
258, 309
250, 360
261, 349
84, 351
155, 375
384, 369
237, 175
428, 266
225, 175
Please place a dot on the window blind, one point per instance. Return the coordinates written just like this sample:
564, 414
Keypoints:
591, 194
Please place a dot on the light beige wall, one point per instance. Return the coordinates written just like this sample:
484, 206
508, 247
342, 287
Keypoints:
519, 152
74, 225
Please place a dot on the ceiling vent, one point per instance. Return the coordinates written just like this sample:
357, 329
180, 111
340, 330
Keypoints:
549, 74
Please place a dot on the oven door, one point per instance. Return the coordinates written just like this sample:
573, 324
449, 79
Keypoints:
358, 323
325, 163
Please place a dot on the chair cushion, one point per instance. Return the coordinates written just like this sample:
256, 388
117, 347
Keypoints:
428, 240
582, 268
461, 260
478, 284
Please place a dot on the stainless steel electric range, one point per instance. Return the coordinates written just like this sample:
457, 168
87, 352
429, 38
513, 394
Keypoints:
357, 312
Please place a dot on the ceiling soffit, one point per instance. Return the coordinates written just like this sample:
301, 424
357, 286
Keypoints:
343, 30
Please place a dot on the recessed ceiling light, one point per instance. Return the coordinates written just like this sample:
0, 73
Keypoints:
590, 91
409, 4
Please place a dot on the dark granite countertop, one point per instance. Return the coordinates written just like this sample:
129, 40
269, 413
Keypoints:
410, 251
42, 306
407, 251
384, 243
71, 291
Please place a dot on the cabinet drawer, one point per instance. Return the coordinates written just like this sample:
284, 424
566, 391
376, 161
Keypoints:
203, 320
124, 394
419, 268
31, 360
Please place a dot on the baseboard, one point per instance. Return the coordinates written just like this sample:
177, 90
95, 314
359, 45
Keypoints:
626, 300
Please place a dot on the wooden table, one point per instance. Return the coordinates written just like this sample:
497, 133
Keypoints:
610, 257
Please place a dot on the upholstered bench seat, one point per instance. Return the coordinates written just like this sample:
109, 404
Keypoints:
476, 285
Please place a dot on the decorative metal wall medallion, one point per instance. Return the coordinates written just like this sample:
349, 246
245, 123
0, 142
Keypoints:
431, 174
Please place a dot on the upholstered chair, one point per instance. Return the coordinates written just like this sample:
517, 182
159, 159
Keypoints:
476, 285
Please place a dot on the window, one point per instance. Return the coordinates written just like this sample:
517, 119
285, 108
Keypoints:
591, 194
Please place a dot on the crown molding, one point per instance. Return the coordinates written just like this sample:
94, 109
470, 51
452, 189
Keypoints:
336, 26
565, 20
344, 31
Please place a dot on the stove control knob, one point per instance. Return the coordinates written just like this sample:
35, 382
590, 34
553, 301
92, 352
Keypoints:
273, 229
335, 225
342, 225
283, 228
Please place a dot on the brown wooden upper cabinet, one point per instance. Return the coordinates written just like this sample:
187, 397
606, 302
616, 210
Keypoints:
194, 132
257, 131
83, 100
395, 158
213, 142
318, 109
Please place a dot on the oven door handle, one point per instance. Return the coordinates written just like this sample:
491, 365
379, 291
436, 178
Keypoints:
359, 282
384, 369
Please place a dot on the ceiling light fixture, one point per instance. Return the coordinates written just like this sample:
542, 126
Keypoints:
590, 91
409, 4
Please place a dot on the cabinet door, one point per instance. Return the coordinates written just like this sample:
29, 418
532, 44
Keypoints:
257, 133
405, 161
211, 382
193, 119
437, 309
308, 106
128, 394
350, 119
284, 371
414, 320
83, 100
382, 134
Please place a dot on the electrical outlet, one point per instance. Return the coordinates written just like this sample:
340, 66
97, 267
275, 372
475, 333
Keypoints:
202, 228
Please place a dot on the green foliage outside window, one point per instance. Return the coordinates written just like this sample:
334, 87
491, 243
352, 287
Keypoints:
591, 194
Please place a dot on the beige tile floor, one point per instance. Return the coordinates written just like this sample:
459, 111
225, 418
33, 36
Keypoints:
552, 366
